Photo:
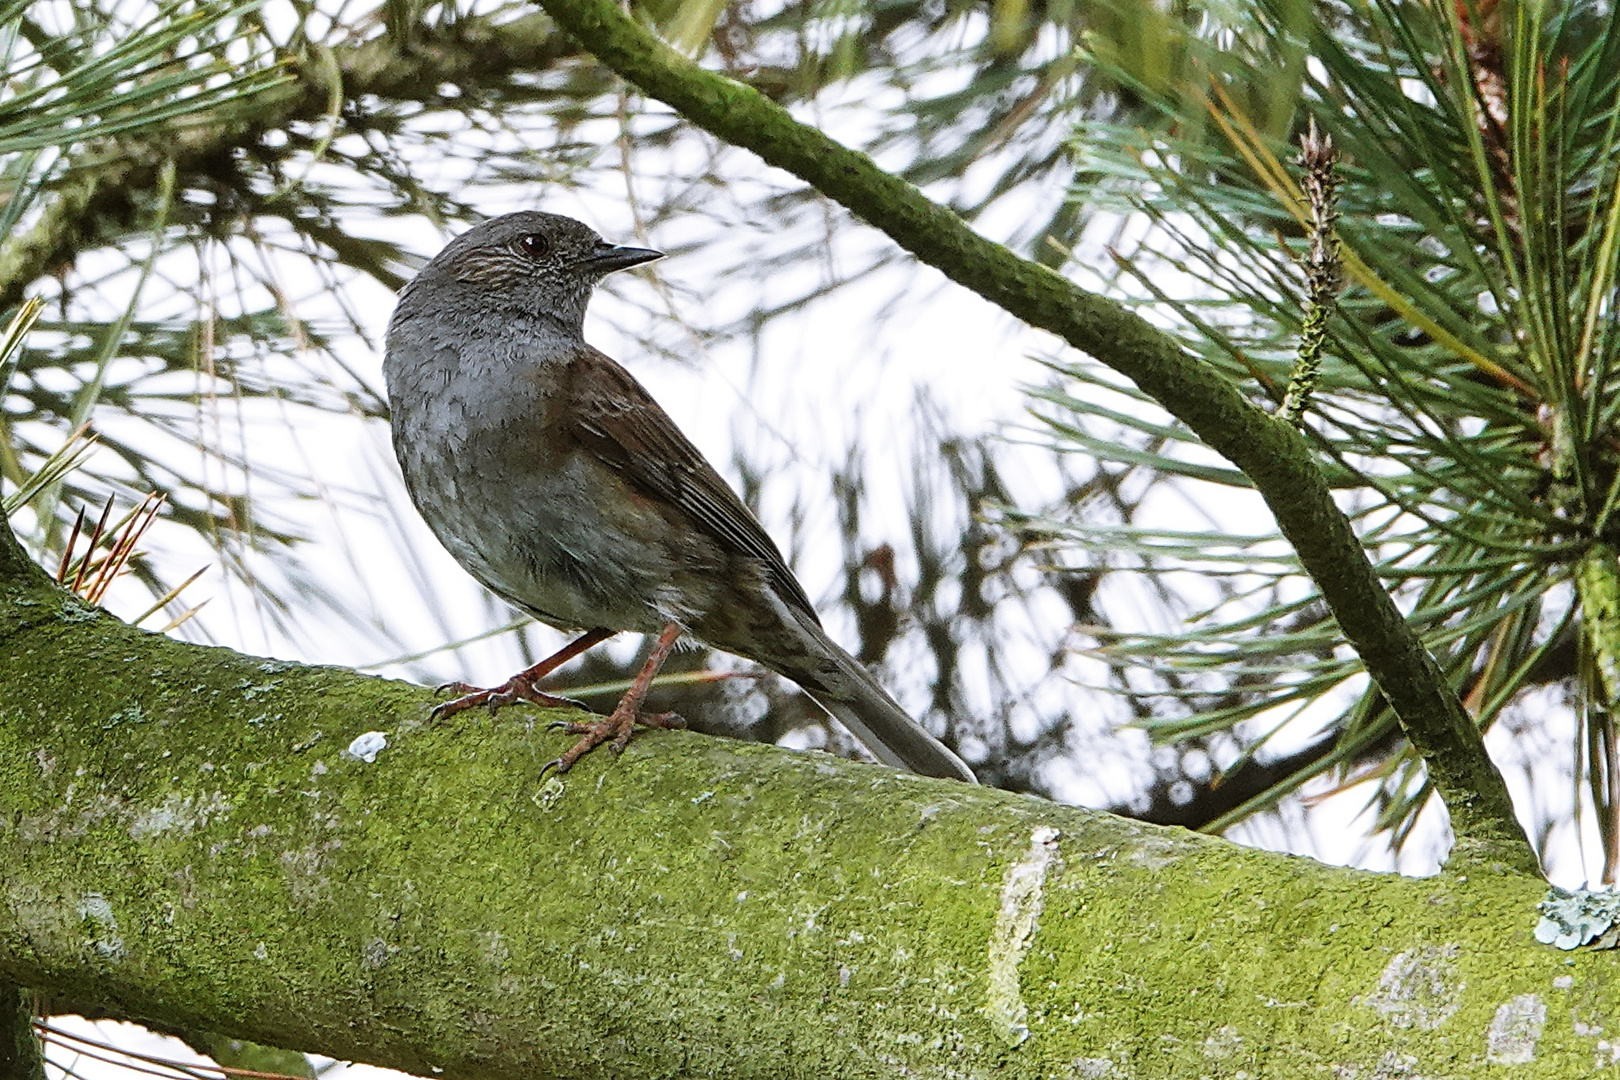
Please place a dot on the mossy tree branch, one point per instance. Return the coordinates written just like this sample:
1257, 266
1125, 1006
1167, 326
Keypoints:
1273, 455
184, 842
20, 1057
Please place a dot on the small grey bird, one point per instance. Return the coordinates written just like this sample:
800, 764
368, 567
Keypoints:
553, 477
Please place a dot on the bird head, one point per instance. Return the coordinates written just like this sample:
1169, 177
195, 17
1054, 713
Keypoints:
532, 262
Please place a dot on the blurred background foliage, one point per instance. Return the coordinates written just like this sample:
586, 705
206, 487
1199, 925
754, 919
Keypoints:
216, 200
1466, 409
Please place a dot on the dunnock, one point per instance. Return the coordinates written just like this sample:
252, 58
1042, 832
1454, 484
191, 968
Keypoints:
555, 479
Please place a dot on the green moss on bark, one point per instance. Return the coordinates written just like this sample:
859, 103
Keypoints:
184, 840
20, 1056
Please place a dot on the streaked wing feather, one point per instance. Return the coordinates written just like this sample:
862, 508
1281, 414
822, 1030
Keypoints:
614, 416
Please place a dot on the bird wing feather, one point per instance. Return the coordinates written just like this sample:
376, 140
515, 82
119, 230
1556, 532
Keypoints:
614, 416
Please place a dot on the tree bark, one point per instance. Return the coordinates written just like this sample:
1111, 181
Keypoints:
20, 1057
184, 840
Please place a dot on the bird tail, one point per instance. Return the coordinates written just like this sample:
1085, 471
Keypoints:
839, 684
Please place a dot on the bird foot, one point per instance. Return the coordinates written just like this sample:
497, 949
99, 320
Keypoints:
615, 730
517, 688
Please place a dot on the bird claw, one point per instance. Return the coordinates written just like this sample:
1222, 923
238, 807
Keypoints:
615, 730
497, 698
446, 708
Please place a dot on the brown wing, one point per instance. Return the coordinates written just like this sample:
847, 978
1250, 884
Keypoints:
613, 416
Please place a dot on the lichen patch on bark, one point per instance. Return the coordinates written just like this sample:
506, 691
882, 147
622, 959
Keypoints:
1515, 1030
1419, 989
1023, 895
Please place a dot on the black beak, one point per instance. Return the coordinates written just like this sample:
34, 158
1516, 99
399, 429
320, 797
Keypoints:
610, 257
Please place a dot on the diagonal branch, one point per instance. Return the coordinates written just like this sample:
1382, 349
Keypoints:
1273, 455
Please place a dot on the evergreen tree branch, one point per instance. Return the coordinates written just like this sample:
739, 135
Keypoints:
1275, 457
103, 194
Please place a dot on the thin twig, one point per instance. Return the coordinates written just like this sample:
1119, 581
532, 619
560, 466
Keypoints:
1323, 270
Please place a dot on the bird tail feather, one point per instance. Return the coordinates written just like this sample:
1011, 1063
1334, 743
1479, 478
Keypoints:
839, 684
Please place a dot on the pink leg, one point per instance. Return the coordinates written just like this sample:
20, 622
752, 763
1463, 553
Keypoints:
520, 687
622, 724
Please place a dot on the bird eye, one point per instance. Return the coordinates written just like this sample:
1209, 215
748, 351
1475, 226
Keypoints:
534, 245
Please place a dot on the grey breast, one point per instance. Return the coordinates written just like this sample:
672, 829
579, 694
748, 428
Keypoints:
469, 410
